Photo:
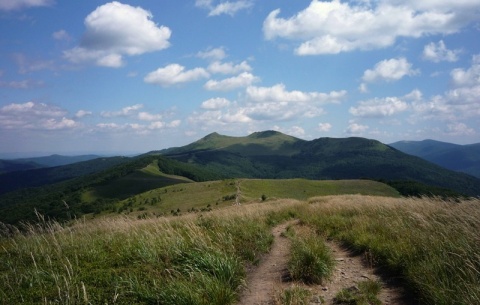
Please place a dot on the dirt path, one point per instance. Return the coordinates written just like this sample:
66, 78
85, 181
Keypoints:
264, 279
272, 275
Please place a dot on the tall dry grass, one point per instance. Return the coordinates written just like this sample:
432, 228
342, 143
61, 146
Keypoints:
433, 244
195, 259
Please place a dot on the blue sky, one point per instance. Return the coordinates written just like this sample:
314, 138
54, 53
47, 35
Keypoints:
134, 76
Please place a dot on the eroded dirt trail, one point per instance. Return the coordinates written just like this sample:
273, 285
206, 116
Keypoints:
271, 275
264, 279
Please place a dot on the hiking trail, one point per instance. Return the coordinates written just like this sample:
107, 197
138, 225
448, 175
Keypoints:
271, 275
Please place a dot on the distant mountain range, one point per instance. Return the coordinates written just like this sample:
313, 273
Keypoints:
97, 185
12, 165
271, 154
460, 158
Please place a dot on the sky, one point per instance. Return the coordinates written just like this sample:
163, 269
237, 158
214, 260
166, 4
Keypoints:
135, 76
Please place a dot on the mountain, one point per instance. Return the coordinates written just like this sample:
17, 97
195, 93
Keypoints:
460, 158
94, 192
69, 191
271, 154
58, 160
7, 166
36, 177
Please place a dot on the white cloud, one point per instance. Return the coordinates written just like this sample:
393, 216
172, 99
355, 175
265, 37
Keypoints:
23, 84
174, 74
215, 103
389, 70
145, 116
224, 7
355, 128
34, 116
331, 27
324, 127
82, 113
229, 67
54, 124
243, 80
459, 129
277, 93
215, 54
379, 107
10, 5
438, 52
114, 30
61, 35
363, 88
469, 77
126, 111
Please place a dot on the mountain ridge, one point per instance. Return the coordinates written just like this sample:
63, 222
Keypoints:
460, 158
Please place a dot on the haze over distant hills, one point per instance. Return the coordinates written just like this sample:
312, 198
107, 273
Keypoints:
99, 185
460, 158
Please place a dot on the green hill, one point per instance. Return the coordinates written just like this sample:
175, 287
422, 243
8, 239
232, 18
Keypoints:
43, 176
191, 197
272, 155
100, 191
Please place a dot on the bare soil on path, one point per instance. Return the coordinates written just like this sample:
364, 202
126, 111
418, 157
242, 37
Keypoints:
271, 276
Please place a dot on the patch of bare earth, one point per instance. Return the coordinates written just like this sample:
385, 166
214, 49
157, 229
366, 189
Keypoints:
271, 276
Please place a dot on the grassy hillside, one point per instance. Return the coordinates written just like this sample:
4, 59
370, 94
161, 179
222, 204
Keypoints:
98, 192
258, 143
43, 176
194, 197
202, 258
272, 155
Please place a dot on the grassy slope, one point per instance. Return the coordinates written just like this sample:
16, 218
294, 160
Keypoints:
215, 194
432, 245
324, 158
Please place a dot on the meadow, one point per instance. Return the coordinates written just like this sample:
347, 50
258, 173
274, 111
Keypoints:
432, 245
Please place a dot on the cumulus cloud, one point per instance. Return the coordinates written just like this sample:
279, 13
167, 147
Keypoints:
243, 80
389, 70
468, 77
10, 5
34, 116
215, 103
174, 74
331, 27
223, 7
215, 54
229, 67
355, 128
264, 105
124, 112
278, 93
83, 113
114, 30
438, 52
459, 129
324, 127
379, 107
61, 35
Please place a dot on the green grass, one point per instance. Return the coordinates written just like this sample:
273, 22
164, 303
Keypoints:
216, 194
311, 260
433, 245
366, 293
294, 295
302, 189
187, 260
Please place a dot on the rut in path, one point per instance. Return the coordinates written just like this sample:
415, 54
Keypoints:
271, 275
